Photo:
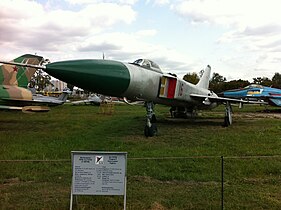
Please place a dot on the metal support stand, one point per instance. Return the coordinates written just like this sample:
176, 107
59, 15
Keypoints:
149, 110
150, 128
222, 180
228, 114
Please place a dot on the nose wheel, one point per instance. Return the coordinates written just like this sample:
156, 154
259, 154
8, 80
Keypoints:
228, 115
150, 131
150, 128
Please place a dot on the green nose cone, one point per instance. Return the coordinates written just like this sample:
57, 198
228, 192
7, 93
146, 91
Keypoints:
100, 76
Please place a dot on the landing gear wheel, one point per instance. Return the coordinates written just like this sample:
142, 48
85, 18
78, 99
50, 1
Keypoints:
226, 122
228, 115
153, 119
150, 131
150, 128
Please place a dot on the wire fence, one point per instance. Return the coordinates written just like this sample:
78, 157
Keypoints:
156, 158
247, 182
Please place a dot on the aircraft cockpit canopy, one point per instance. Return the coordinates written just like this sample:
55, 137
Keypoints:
253, 86
148, 64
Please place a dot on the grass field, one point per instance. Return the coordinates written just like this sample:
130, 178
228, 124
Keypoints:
251, 147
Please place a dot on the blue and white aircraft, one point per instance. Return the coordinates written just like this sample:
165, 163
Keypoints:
272, 96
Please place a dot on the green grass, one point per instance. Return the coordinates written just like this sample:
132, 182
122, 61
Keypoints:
183, 183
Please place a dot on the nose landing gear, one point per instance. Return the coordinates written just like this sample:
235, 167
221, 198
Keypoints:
150, 128
228, 115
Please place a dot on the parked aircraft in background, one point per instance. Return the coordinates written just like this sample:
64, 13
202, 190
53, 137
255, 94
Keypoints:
140, 80
14, 94
51, 101
256, 92
91, 100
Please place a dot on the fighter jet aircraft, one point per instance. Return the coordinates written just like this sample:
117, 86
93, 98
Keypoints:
14, 94
256, 92
92, 100
140, 80
51, 101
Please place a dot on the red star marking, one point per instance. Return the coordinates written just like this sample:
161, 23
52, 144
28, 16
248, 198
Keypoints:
15, 69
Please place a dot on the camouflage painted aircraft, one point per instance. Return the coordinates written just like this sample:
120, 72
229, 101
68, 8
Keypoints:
14, 79
141, 80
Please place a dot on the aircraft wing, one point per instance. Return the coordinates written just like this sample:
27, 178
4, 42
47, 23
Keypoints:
27, 109
80, 102
34, 101
47, 100
273, 100
87, 101
205, 98
10, 107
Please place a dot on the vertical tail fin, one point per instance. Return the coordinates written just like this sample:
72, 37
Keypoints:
205, 79
64, 95
16, 75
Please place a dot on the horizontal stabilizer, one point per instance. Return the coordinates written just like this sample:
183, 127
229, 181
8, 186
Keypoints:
223, 100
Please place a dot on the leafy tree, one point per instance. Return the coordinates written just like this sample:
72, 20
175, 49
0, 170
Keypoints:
266, 82
217, 82
257, 80
262, 81
40, 80
70, 86
236, 84
217, 78
233, 84
276, 80
191, 77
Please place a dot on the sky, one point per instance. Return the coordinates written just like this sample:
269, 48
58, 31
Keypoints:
240, 39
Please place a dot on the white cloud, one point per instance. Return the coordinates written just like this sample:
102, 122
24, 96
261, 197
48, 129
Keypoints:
158, 2
237, 13
82, 32
79, 2
56, 30
251, 28
148, 32
243, 20
128, 47
249, 41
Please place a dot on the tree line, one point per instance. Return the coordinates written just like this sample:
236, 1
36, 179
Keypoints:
219, 84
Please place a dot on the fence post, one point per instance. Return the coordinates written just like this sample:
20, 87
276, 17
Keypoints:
222, 190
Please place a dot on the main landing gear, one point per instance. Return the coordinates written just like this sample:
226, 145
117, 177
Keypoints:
228, 115
150, 128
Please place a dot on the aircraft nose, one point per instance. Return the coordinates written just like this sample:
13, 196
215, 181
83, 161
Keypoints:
102, 76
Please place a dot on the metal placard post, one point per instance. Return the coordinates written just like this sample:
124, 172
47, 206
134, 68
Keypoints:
98, 173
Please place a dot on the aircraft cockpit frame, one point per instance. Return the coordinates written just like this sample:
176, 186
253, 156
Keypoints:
148, 64
253, 86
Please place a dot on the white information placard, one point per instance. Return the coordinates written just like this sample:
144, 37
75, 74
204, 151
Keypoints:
98, 173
